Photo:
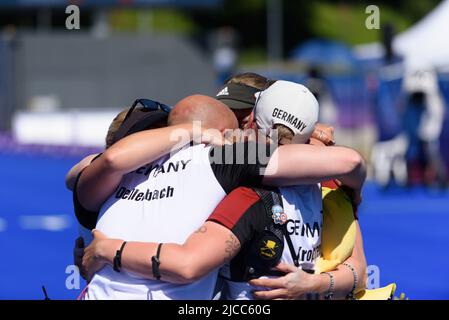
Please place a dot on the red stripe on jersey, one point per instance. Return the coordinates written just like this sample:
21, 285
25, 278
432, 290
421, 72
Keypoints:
331, 184
83, 293
233, 207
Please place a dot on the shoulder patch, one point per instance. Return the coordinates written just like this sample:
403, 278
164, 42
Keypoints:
269, 247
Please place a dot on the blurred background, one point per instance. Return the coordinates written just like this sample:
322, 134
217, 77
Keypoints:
380, 70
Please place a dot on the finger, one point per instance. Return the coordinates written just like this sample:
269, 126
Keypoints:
326, 139
322, 136
270, 295
267, 282
285, 267
329, 131
81, 270
84, 265
87, 269
316, 134
85, 259
316, 142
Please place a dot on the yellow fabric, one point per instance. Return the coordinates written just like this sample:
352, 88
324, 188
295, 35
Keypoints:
338, 238
383, 293
339, 230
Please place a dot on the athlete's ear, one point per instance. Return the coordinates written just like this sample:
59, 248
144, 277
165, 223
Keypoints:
228, 136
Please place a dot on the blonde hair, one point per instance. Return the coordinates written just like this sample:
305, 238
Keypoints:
251, 79
283, 132
113, 127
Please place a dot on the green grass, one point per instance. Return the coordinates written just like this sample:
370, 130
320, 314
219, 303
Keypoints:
157, 20
347, 23
252, 56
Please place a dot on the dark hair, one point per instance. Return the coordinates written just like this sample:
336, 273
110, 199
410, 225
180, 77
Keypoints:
113, 127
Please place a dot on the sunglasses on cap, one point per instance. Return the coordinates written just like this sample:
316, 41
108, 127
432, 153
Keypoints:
151, 113
148, 104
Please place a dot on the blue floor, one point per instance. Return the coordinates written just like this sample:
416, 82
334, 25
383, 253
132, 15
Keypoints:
406, 233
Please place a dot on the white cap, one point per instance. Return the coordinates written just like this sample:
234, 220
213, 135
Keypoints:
290, 104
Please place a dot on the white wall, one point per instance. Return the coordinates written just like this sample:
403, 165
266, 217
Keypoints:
83, 128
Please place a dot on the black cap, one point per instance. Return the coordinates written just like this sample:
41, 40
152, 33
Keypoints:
140, 119
237, 96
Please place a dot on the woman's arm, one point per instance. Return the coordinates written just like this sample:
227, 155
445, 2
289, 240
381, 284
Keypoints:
306, 164
209, 247
289, 165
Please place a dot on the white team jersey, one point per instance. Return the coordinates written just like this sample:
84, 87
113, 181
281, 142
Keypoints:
164, 201
303, 207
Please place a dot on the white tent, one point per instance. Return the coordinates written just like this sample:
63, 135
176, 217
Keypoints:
426, 44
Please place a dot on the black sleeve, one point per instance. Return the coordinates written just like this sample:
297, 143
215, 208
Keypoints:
88, 219
240, 164
241, 211
251, 223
